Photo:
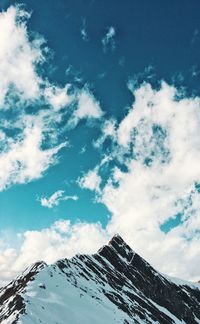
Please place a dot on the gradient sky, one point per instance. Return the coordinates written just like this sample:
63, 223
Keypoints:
75, 148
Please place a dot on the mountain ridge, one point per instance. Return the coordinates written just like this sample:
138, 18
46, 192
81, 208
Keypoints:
114, 285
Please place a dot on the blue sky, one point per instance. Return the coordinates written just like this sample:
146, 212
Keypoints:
78, 143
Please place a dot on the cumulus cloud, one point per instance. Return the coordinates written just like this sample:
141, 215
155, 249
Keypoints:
108, 41
90, 180
56, 198
61, 240
154, 178
153, 160
18, 56
160, 134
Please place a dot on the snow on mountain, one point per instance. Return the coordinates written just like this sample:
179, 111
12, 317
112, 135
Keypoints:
115, 285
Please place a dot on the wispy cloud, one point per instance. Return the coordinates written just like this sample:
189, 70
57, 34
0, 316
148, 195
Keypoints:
108, 41
87, 107
58, 97
195, 71
55, 199
23, 156
195, 36
25, 160
35, 141
108, 130
82, 150
83, 31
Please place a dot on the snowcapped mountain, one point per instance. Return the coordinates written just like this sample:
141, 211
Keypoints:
115, 285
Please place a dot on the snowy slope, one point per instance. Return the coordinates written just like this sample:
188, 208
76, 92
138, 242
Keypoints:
114, 285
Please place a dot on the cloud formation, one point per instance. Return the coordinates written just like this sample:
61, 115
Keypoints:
61, 240
58, 97
154, 177
90, 180
30, 139
108, 41
83, 31
151, 172
18, 56
22, 157
25, 160
87, 107
56, 198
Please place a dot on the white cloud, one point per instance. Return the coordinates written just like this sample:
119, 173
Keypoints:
108, 40
23, 157
84, 34
24, 160
83, 31
62, 226
90, 180
160, 136
58, 97
117, 175
55, 199
88, 107
108, 129
61, 240
157, 143
35, 144
18, 56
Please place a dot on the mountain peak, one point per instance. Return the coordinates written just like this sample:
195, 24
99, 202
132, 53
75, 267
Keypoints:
117, 251
114, 285
116, 239
35, 267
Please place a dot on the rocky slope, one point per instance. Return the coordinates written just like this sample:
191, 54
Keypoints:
115, 285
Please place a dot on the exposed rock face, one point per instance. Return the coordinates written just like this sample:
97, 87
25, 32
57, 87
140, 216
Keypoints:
114, 285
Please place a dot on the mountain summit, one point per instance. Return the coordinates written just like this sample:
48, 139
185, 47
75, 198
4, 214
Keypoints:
115, 285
